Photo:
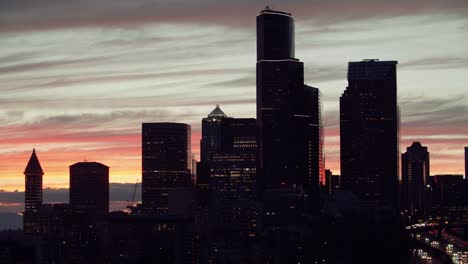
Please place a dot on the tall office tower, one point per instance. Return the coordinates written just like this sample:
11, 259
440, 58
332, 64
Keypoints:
33, 190
89, 187
466, 162
286, 116
369, 131
166, 158
415, 179
315, 152
226, 180
228, 146
211, 134
233, 167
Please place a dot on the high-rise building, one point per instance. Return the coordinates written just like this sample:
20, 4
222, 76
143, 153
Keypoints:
89, 186
466, 163
415, 173
211, 134
226, 139
288, 117
226, 175
166, 162
33, 194
332, 182
369, 131
315, 136
33, 190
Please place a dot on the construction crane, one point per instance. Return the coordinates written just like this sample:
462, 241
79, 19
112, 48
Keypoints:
132, 201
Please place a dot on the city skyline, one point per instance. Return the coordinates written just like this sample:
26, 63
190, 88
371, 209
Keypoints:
52, 104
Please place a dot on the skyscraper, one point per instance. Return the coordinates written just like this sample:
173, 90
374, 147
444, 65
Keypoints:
369, 131
288, 117
226, 179
466, 163
211, 134
33, 194
166, 158
415, 179
89, 186
315, 137
33, 189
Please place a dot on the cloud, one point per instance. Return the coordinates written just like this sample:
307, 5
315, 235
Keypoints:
437, 63
27, 15
434, 112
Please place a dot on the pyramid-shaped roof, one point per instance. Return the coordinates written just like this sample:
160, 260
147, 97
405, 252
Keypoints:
33, 165
217, 112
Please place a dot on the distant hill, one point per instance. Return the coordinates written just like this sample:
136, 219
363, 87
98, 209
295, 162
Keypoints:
10, 221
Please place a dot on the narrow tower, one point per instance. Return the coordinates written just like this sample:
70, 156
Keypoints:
415, 180
33, 184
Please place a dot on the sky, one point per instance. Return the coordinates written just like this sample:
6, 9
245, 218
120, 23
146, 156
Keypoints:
78, 77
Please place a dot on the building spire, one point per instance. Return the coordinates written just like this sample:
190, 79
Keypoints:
33, 165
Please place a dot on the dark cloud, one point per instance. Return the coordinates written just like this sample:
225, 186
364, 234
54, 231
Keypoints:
25, 14
10, 221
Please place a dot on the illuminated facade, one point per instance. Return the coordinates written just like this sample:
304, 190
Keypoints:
416, 189
228, 145
89, 186
166, 162
369, 131
227, 178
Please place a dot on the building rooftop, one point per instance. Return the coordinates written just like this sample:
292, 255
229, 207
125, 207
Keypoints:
88, 164
217, 112
268, 10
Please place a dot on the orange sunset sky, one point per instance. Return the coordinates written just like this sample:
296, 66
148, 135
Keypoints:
78, 78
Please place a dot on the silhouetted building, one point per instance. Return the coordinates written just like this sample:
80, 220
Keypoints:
228, 146
315, 137
449, 190
17, 248
466, 162
89, 186
369, 131
226, 179
33, 193
288, 112
210, 141
151, 239
416, 188
332, 182
166, 162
